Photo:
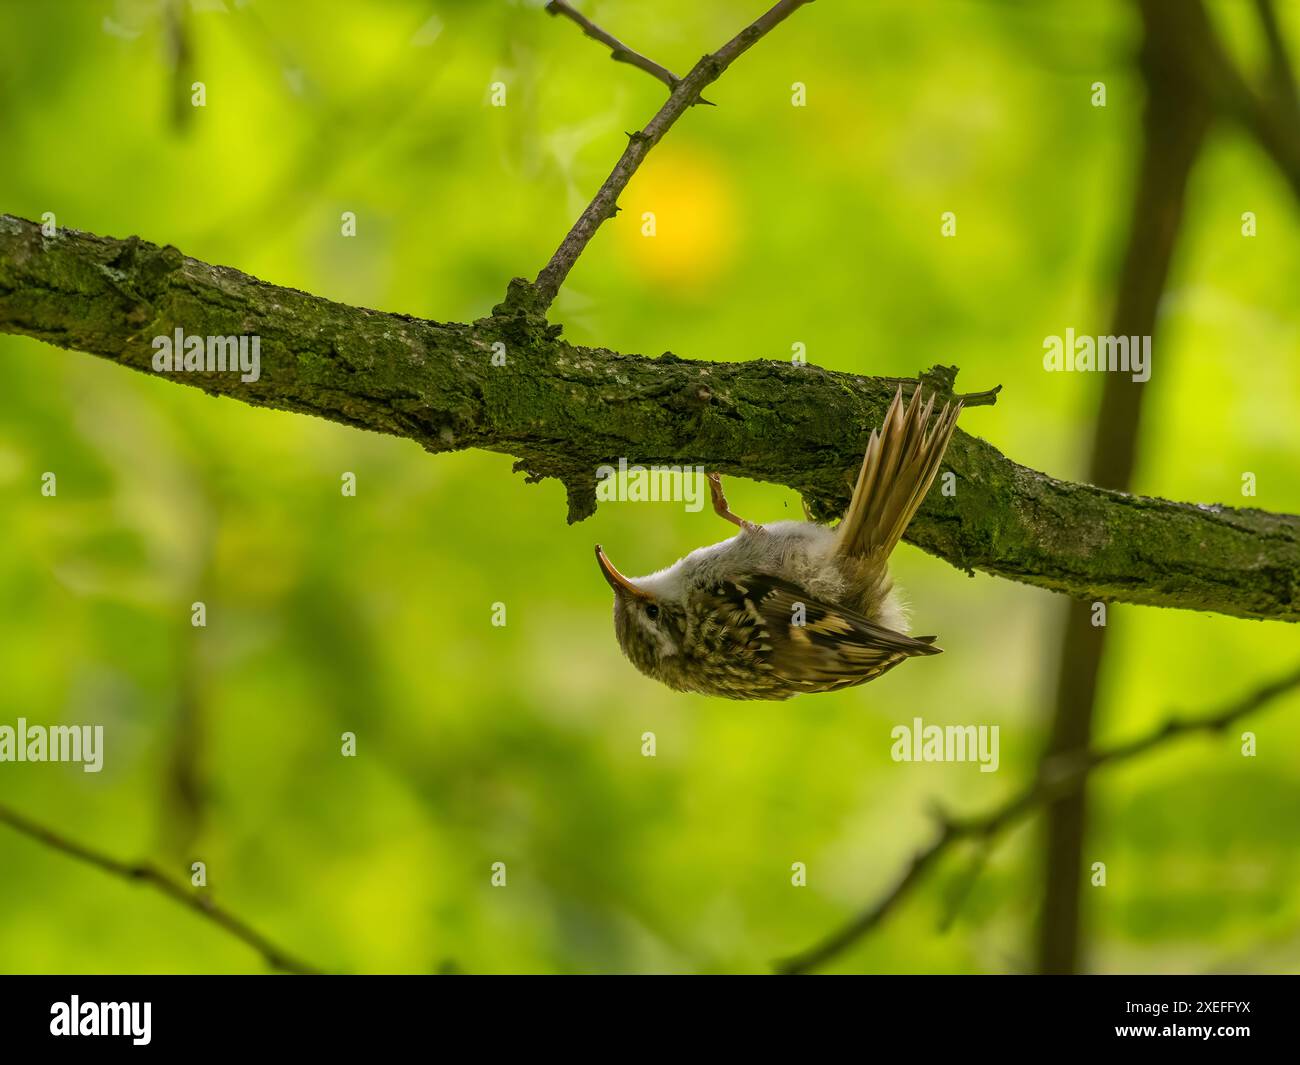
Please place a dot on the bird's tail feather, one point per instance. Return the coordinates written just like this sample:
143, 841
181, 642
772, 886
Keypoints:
901, 463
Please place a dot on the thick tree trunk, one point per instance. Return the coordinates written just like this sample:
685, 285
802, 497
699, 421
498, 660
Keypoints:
1178, 114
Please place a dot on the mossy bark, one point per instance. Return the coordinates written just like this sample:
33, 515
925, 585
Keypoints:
564, 410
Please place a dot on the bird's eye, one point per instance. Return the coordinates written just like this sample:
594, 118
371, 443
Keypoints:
652, 611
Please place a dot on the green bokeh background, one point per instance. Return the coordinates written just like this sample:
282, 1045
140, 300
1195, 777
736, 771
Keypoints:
776, 225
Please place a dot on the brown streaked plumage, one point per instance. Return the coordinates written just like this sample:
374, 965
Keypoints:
791, 607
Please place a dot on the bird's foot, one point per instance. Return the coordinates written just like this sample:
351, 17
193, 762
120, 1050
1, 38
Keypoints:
721, 508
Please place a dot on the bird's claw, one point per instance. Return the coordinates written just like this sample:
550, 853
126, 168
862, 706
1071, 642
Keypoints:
721, 508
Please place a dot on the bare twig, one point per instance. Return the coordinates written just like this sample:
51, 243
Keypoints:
1281, 73
1272, 117
685, 92
180, 54
985, 398
144, 873
619, 52
966, 883
1058, 776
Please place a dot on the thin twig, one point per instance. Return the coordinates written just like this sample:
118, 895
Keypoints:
1273, 117
1281, 73
986, 398
962, 889
1059, 776
685, 93
619, 52
143, 873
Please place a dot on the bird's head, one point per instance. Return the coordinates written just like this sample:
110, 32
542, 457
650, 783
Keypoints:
650, 623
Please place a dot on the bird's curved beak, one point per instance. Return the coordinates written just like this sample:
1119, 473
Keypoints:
616, 580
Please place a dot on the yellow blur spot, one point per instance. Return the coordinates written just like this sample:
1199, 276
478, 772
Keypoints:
678, 226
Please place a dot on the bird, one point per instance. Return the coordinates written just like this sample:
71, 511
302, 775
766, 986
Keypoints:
792, 607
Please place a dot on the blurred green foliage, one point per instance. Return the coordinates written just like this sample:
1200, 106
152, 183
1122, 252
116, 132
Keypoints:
776, 225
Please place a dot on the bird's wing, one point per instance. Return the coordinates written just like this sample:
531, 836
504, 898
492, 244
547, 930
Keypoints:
806, 643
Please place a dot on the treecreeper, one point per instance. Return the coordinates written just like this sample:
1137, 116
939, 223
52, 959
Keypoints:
792, 606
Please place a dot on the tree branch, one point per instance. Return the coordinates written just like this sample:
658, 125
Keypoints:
144, 873
686, 91
1281, 74
1273, 119
563, 411
618, 51
1059, 776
